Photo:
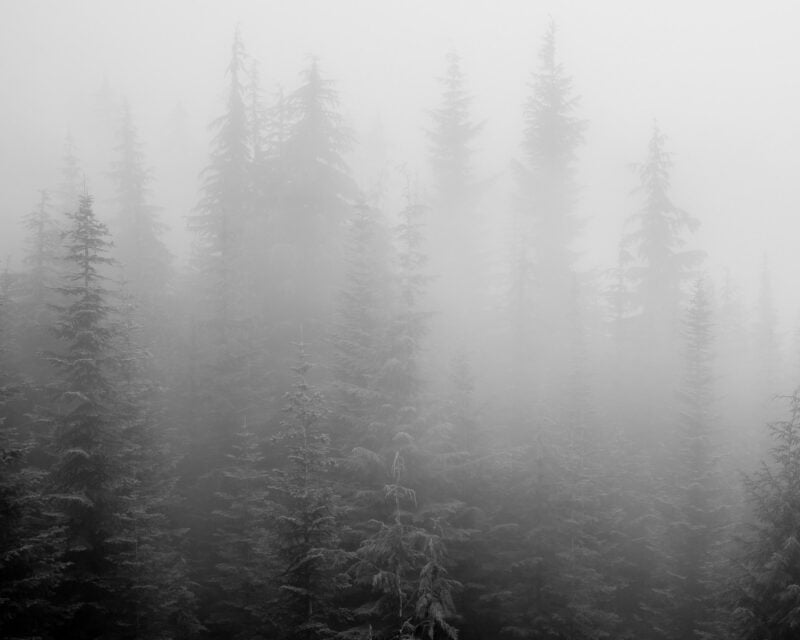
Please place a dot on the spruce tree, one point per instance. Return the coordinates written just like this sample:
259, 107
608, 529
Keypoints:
139, 248
316, 188
306, 528
660, 269
451, 138
43, 252
765, 594
546, 226
661, 266
30, 538
244, 566
92, 476
221, 213
359, 334
694, 521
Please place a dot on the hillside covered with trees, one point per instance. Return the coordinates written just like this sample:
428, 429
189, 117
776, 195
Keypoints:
354, 413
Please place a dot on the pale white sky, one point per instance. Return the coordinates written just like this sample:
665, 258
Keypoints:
722, 78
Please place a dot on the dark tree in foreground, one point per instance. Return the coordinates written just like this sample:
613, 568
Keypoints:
93, 479
767, 596
306, 534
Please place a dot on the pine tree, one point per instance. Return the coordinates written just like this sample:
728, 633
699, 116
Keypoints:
359, 336
92, 476
543, 270
43, 252
306, 535
766, 595
69, 189
317, 187
658, 274
766, 340
452, 136
400, 374
42, 262
401, 563
694, 515
139, 247
661, 266
220, 220
244, 568
30, 538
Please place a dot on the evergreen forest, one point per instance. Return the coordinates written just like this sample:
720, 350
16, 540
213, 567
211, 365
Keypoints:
343, 416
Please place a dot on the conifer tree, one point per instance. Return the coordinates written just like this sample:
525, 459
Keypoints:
306, 535
451, 137
401, 563
221, 215
30, 538
43, 252
543, 270
70, 187
400, 374
658, 273
244, 566
359, 336
139, 248
221, 224
766, 340
42, 262
694, 518
92, 476
661, 267
317, 187
765, 594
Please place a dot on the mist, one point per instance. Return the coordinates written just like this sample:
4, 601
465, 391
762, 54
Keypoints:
378, 319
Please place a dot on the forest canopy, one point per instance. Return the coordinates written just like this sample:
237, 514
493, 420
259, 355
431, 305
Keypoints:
361, 394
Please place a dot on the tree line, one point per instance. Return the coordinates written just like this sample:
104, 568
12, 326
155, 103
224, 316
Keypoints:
334, 422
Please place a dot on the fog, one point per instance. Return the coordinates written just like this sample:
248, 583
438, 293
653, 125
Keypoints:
722, 83
383, 319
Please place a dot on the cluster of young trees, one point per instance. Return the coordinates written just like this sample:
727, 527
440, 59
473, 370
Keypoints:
294, 437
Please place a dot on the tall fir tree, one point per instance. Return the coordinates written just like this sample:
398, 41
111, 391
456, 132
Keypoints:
765, 595
310, 562
316, 189
93, 472
70, 186
140, 250
661, 265
453, 228
359, 334
694, 516
546, 226
659, 272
